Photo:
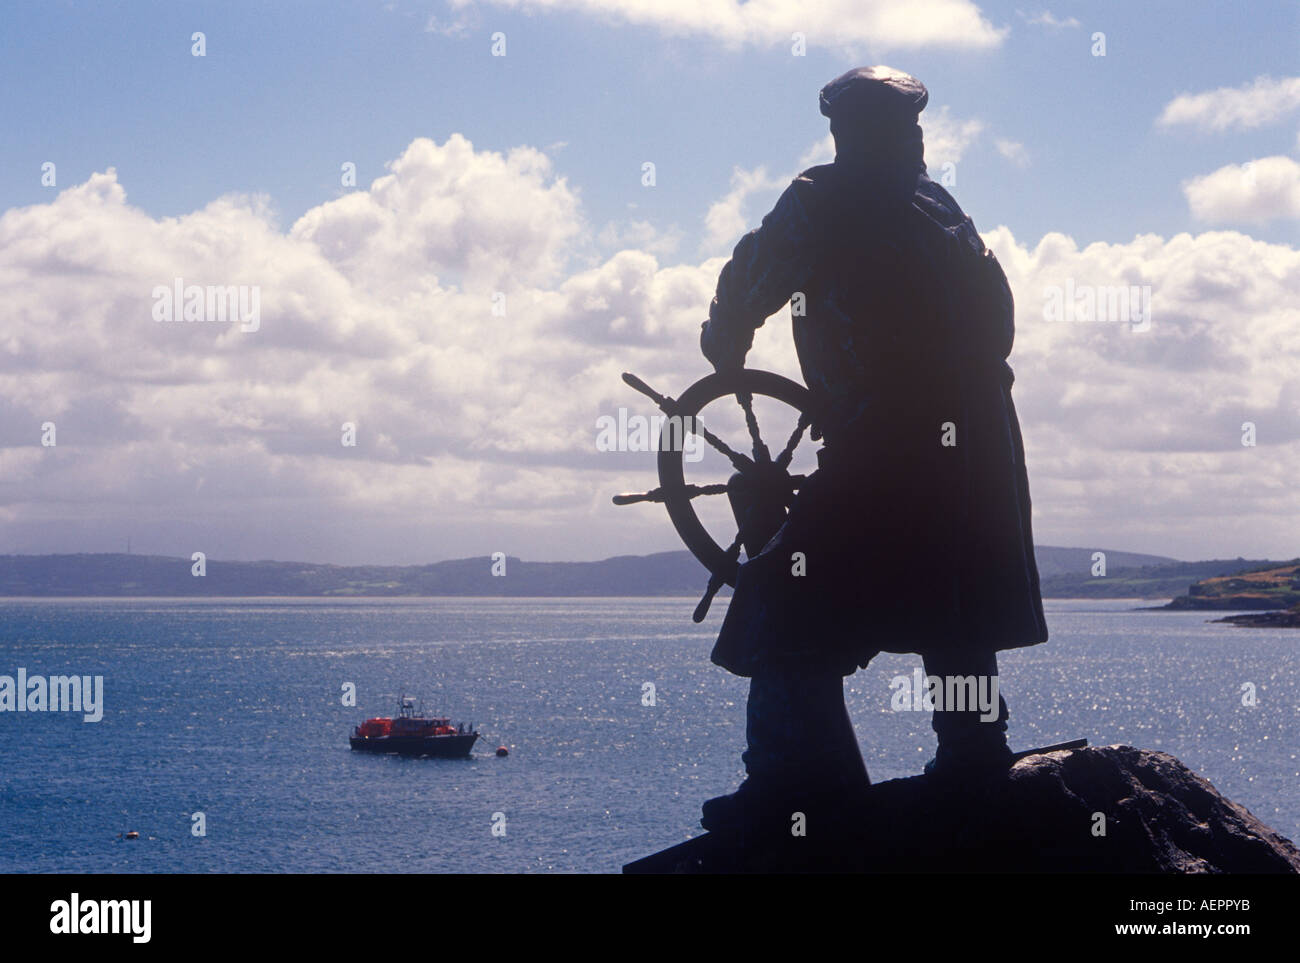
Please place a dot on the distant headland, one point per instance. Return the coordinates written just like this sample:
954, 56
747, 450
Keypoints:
1269, 595
1065, 573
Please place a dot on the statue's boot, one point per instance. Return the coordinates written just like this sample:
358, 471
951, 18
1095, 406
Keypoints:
969, 746
803, 755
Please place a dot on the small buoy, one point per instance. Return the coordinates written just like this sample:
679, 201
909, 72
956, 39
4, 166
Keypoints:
502, 751
133, 835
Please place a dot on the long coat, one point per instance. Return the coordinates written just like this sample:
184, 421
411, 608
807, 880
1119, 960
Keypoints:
914, 533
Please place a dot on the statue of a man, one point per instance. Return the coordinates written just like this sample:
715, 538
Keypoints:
914, 531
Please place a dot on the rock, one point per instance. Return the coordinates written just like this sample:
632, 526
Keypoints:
1286, 619
1159, 817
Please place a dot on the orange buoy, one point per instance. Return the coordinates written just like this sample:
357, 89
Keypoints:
502, 751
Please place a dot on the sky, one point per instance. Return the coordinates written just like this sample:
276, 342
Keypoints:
467, 300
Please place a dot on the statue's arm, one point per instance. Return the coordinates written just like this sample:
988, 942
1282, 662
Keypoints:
767, 267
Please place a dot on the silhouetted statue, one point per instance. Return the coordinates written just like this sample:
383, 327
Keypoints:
915, 529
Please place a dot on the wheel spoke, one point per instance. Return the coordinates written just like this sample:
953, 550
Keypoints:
669, 407
738, 461
695, 491
660, 494
746, 400
716, 580
787, 453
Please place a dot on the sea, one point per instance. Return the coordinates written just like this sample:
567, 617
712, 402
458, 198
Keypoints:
224, 736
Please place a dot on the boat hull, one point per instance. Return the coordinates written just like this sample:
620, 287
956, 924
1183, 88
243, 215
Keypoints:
444, 747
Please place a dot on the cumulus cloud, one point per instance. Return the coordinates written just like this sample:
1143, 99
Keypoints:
479, 217
476, 416
1252, 105
1253, 193
1138, 434
376, 308
884, 24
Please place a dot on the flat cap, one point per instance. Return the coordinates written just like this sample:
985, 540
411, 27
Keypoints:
874, 94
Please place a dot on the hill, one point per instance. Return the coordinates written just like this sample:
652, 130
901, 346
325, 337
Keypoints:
1054, 560
1166, 580
1067, 574
117, 575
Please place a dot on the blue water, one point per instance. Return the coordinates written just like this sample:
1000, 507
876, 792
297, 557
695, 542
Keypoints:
233, 708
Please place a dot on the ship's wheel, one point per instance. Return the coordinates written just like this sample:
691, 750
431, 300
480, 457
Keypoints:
760, 491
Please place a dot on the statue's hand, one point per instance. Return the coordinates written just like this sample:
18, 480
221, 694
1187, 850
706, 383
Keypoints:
723, 354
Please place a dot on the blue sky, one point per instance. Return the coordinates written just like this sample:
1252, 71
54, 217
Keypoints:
1169, 162
288, 90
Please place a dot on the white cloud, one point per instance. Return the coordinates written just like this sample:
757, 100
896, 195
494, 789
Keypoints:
727, 219
1257, 104
946, 137
883, 24
639, 235
1049, 20
455, 28
822, 152
1253, 193
1013, 151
